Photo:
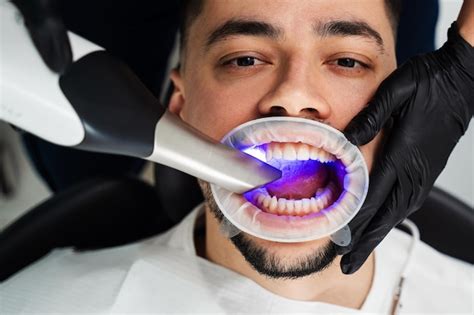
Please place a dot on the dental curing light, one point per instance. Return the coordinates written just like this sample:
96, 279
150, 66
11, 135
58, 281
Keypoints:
323, 185
100, 105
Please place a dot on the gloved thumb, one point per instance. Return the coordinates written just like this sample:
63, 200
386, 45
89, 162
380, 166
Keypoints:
391, 95
47, 31
52, 42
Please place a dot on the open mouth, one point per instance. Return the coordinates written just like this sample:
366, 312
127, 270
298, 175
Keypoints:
312, 179
323, 185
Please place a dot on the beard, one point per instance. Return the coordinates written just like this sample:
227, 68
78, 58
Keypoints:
266, 262
273, 266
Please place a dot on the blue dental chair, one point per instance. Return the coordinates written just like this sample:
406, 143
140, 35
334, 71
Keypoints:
105, 212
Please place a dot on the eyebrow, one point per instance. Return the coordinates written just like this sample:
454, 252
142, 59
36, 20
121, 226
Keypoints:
243, 27
349, 28
263, 29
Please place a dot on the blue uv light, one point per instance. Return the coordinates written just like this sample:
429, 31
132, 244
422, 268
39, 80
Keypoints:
297, 176
257, 152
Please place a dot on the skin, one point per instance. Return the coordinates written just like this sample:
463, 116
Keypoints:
295, 75
466, 21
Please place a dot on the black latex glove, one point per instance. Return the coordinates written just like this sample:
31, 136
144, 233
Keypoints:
47, 30
429, 102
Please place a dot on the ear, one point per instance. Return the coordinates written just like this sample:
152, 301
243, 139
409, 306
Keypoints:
177, 99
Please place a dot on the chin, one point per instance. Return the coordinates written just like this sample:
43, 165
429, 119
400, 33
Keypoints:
271, 245
294, 251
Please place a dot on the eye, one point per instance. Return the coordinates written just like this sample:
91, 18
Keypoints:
245, 61
347, 66
346, 62
350, 63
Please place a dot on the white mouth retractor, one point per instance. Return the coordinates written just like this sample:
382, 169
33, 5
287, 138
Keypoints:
332, 221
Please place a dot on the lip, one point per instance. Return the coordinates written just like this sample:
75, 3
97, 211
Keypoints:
288, 228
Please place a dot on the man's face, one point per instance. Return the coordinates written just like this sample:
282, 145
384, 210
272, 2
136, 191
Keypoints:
316, 59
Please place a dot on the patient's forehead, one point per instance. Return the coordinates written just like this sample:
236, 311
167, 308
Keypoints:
294, 17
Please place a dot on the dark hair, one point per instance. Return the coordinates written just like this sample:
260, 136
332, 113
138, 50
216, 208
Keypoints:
190, 10
394, 9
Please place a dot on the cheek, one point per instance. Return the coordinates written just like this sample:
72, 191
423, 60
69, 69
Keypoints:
347, 98
350, 98
215, 108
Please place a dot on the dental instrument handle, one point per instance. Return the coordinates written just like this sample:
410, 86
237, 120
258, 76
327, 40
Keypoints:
121, 116
180, 146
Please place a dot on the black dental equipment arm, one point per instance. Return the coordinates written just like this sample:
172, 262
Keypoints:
121, 116
429, 102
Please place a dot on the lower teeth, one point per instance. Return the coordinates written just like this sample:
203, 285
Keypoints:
301, 207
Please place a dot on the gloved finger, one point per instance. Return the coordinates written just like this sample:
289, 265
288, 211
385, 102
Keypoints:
382, 180
373, 235
375, 231
391, 95
47, 31
52, 42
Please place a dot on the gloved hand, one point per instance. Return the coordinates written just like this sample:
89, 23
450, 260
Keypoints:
47, 30
426, 106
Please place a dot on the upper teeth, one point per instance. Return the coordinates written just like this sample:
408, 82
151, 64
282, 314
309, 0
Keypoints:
297, 151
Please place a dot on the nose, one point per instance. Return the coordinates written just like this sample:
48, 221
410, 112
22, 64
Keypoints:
296, 93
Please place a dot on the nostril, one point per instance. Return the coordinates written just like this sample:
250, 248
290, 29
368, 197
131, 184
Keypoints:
277, 110
314, 114
310, 110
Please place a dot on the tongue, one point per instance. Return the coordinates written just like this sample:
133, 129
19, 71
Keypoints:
300, 179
